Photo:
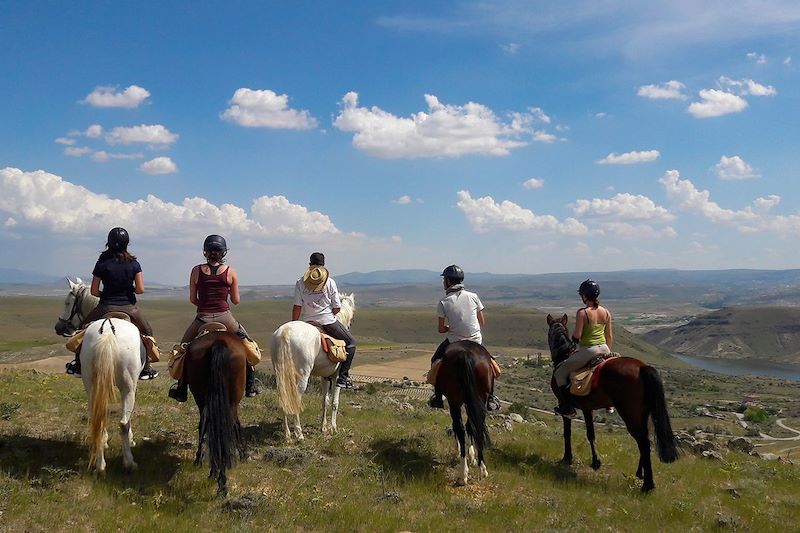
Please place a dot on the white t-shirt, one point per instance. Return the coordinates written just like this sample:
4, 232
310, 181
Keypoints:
317, 306
461, 308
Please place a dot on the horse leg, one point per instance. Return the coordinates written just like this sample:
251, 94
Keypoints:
471, 432
302, 385
567, 459
326, 403
589, 419
298, 431
646, 468
286, 430
126, 433
458, 430
201, 432
334, 407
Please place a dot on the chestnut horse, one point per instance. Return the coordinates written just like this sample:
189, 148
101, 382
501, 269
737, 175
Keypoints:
214, 368
633, 388
466, 378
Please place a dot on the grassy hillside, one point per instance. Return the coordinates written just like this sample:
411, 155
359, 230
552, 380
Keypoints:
390, 468
768, 333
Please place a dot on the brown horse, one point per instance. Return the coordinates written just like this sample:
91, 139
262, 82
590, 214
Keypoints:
215, 368
633, 388
465, 378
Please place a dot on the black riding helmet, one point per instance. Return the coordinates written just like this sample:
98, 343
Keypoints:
118, 239
215, 243
453, 273
590, 289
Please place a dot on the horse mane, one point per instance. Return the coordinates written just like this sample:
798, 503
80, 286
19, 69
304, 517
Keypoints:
83, 291
562, 347
345, 314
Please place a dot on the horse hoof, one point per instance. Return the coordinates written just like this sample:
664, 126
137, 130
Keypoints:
566, 461
461, 482
647, 487
131, 467
596, 465
639, 475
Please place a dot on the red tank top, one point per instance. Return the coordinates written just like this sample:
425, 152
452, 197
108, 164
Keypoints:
212, 292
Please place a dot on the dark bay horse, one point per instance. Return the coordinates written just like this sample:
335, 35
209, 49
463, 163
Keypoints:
214, 368
633, 388
465, 378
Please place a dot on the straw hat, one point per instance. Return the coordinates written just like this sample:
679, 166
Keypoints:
315, 277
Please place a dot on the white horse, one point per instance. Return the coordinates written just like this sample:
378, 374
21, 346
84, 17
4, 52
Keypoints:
112, 353
296, 356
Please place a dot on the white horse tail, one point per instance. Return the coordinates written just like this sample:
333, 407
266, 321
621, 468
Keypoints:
102, 391
285, 373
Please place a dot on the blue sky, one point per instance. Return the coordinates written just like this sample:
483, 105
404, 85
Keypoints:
510, 137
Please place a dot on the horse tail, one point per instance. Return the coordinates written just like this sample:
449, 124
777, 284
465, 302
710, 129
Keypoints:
285, 374
474, 405
655, 401
220, 426
103, 391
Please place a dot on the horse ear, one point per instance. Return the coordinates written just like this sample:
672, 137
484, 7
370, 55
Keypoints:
564, 319
549, 319
78, 281
70, 283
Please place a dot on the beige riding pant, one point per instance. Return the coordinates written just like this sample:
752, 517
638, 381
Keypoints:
578, 360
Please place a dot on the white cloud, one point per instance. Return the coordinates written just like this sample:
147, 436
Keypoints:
266, 109
788, 60
94, 131
626, 230
485, 214
622, 206
716, 103
77, 151
688, 198
538, 114
671, 90
544, 137
734, 168
106, 96
403, 200
533, 183
760, 59
155, 135
65, 141
43, 201
600, 114
159, 165
10, 222
443, 131
510, 48
630, 158
748, 87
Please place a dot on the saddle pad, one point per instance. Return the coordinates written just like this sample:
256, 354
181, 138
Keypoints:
117, 314
335, 348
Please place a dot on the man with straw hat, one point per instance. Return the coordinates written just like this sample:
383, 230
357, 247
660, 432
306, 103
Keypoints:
316, 300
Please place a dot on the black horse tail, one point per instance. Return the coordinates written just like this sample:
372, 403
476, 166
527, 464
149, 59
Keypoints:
473, 403
222, 435
655, 401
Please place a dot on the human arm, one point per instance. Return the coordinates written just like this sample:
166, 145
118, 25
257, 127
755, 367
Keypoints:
481, 318
138, 283
233, 280
296, 309
193, 284
443, 328
580, 320
95, 288
608, 331
336, 302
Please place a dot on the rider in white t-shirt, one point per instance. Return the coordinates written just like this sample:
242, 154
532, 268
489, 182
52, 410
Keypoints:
460, 315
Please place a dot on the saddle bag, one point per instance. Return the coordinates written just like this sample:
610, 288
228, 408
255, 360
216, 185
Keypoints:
582, 379
335, 348
253, 352
74, 342
176, 356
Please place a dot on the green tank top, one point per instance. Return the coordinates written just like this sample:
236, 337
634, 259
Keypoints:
593, 334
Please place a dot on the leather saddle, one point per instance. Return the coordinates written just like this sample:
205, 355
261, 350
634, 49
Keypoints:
118, 314
583, 380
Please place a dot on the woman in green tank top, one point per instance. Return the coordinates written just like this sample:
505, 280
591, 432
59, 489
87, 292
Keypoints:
594, 335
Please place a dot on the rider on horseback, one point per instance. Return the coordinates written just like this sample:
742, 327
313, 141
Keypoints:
460, 315
210, 285
316, 300
594, 336
121, 276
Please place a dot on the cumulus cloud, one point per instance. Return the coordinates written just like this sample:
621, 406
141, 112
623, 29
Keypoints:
66, 141
441, 131
43, 201
533, 183
760, 59
105, 96
734, 168
671, 90
485, 215
94, 131
159, 165
266, 109
623, 206
403, 200
77, 151
788, 60
688, 198
510, 48
626, 230
154, 135
715, 103
747, 87
544, 137
630, 158
101, 156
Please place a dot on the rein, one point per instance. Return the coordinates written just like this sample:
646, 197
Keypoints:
565, 345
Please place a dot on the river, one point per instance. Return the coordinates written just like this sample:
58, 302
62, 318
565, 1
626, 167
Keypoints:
744, 367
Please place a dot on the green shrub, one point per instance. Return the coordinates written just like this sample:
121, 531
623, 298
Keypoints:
756, 415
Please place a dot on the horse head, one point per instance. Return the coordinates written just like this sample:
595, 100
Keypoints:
70, 318
345, 315
558, 339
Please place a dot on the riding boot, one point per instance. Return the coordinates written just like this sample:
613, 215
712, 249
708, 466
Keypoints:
148, 372
344, 381
179, 391
74, 367
565, 407
251, 387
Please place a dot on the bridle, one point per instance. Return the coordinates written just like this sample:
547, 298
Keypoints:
561, 347
69, 327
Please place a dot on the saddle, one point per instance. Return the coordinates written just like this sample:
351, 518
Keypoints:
583, 380
175, 365
434, 371
151, 348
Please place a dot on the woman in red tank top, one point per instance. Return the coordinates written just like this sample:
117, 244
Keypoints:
210, 286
